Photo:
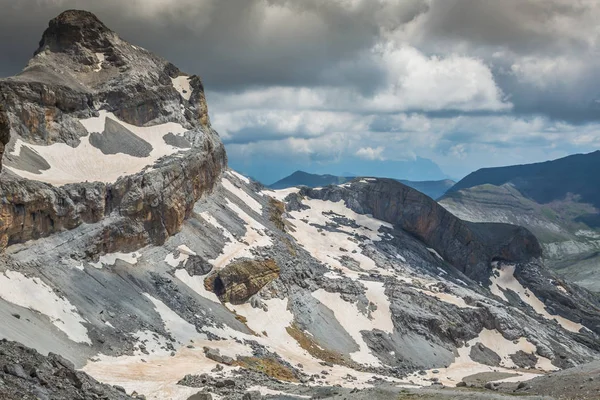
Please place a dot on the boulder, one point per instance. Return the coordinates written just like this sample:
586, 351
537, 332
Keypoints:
240, 280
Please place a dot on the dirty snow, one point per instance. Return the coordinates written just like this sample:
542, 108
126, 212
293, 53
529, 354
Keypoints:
274, 323
445, 297
464, 366
265, 391
157, 376
381, 318
182, 85
184, 253
506, 280
242, 195
353, 321
34, 294
87, 163
329, 247
181, 330
255, 237
111, 259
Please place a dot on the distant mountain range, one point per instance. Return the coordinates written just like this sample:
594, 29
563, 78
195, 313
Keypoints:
433, 189
557, 200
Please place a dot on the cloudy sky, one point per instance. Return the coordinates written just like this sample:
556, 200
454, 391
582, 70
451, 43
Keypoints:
417, 89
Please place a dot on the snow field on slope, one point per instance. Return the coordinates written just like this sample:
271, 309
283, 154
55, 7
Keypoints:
328, 247
280, 194
239, 176
506, 280
111, 259
87, 163
464, 366
354, 321
34, 294
156, 374
274, 323
243, 196
255, 237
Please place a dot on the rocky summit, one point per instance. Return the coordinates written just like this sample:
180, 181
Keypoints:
135, 264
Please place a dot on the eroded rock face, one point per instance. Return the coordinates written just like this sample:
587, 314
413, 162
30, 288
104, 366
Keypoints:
26, 374
470, 247
4, 132
240, 280
81, 69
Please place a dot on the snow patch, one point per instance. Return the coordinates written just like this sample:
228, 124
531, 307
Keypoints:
435, 253
34, 294
111, 259
87, 163
184, 253
464, 366
239, 176
196, 283
353, 321
329, 247
181, 330
182, 85
243, 196
281, 194
255, 237
506, 280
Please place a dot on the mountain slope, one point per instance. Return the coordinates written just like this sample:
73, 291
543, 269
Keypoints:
301, 178
556, 200
183, 277
433, 189
547, 181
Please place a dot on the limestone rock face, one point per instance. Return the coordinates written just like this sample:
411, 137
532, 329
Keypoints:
4, 133
81, 72
240, 280
470, 247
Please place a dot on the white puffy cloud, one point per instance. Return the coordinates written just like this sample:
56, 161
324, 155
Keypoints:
370, 153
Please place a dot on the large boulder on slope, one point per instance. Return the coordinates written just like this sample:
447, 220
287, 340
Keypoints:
240, 280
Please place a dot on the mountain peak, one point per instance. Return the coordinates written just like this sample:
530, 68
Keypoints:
72, 28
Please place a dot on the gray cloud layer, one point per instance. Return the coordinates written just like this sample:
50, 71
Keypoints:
446, 79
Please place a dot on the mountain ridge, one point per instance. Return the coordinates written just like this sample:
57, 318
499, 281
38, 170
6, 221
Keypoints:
433, 189
556, 199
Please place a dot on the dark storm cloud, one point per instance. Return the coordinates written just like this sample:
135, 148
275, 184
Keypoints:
524, 26
315, 79
231, 43
234, 44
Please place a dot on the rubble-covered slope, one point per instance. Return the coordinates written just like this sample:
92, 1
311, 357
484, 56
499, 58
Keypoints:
351, 298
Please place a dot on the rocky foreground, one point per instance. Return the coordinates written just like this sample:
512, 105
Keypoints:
161, 274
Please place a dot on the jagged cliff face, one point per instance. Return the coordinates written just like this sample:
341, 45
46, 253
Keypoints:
113, 129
